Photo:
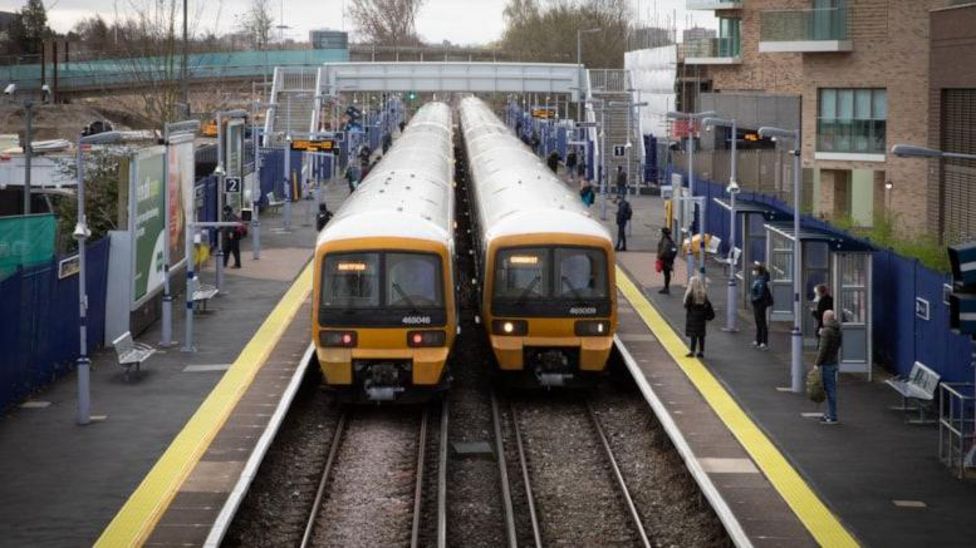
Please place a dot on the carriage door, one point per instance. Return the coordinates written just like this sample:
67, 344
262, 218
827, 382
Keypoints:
852, 304
779, 253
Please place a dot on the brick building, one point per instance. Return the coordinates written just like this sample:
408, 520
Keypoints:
862, 75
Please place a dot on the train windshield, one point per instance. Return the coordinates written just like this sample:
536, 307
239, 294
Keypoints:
539, 274
385, 280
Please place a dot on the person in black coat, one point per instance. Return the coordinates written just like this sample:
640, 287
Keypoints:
698, 312
553, 161
323, 216
824, 302
624, 213
666, 253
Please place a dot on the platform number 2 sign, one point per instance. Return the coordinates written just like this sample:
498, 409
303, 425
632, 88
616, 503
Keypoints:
232, 184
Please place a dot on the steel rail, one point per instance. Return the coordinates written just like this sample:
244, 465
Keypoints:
442, 480
326, 472
537, 536
418, 490
510, 529
620, 478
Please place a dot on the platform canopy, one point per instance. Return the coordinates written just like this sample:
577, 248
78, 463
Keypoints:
836, 242
548, 78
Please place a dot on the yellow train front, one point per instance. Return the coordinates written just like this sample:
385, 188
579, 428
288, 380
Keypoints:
385, 314
548, 283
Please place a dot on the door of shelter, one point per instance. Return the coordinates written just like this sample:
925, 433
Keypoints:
852, 275
779, 253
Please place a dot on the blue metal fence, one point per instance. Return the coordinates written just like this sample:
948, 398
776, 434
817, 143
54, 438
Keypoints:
39, 334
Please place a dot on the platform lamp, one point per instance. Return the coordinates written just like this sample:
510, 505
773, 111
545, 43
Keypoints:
691, 117
731, 316
796, 336
81, 233
963, 261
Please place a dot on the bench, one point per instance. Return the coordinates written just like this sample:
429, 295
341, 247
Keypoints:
917, 391
274, 203
202, 294
130, 353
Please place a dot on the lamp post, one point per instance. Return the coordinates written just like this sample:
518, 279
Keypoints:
796, 339
184, 132
256, 194
81, 234
601, 169
581, 97
691, 117
731, 315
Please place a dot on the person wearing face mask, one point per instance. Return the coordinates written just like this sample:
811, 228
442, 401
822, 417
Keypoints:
824, 302
761, 298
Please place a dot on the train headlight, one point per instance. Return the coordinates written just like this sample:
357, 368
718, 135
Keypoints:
418, 339
510, 327
341, 339
592, 328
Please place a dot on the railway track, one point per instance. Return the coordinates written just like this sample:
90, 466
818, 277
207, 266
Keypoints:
559, 510
394, 499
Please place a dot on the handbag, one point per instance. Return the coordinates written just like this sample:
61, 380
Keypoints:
709, 311
659, 265
815, 387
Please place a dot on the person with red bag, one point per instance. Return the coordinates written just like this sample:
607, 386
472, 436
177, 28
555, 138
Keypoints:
666, 253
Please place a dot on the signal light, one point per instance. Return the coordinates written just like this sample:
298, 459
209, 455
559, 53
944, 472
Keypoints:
338, 339
418, 339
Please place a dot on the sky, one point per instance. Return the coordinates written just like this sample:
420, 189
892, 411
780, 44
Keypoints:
459, 21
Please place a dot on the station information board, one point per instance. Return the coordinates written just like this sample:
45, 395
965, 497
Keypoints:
314, 145
543, 113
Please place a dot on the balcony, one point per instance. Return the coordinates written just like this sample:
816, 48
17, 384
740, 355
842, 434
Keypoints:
714, 4
710, 51
804, 31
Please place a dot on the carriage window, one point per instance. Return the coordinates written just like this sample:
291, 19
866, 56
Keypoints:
521, 273
413, 280
351, 280
581, 273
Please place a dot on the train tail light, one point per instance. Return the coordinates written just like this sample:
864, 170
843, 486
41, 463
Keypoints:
592, 328
419, 339
341, 339
510, 327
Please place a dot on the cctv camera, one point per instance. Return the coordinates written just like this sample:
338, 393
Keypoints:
10, 89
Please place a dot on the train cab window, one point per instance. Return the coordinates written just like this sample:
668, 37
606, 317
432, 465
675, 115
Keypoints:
580, 273
522, 273
413, 280
351, 280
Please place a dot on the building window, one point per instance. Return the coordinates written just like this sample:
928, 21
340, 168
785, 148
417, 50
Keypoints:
729, 37
852, 120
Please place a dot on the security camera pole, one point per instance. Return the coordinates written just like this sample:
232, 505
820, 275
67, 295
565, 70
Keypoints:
81, 233
691, 117
796, 339
731, 314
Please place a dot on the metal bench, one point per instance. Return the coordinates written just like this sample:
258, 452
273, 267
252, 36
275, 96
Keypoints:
202, 294
274, 203
917, 392
130, 353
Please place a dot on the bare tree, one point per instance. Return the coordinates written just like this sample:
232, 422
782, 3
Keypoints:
257, 23
545, 30
387, 22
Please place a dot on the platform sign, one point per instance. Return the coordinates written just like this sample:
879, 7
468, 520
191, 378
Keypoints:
543, 113
314, 145
619, 151
234, 159
587, 124
232, 185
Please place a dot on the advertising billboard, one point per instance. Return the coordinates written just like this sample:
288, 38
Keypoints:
180, 172
146, 220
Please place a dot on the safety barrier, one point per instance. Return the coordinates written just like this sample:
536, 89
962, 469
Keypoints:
39, 333
910, 316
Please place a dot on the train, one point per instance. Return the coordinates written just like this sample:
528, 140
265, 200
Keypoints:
385, 311
548, 285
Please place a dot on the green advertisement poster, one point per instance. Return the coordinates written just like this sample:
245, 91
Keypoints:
146, 199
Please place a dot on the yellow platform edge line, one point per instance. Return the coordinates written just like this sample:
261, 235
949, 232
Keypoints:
822, 524
146, 505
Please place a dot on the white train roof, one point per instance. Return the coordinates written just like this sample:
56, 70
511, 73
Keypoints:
514, 191
409, 193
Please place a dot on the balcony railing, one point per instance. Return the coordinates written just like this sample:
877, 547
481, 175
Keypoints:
713, 4
709, 51
804, 30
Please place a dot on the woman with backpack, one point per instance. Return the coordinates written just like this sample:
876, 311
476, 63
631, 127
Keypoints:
698, 312
761, 298
666, 253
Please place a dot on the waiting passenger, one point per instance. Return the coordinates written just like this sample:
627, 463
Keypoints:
824, 302
624, 213
232, 237
698, 312
352, 177
571, 165
323, 216
830, 343
666, 253
553, 161
621, 183
761, 298
586, 192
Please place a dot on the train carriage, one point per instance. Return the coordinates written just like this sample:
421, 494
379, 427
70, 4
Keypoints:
385, 314
548, 283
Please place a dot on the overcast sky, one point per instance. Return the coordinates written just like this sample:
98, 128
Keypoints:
460, 21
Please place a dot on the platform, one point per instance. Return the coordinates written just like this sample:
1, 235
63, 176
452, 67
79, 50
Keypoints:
872, 476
